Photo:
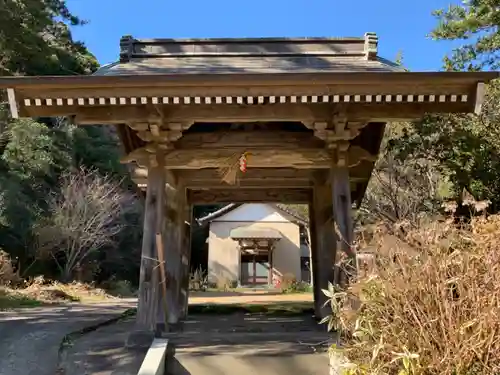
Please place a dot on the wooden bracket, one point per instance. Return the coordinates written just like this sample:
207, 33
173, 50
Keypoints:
338, 129
160, 133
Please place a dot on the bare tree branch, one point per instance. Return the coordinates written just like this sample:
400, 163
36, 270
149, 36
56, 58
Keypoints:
85, 218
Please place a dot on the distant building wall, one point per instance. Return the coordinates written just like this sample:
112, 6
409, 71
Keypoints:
223, 251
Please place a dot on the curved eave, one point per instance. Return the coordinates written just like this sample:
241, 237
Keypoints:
234, 79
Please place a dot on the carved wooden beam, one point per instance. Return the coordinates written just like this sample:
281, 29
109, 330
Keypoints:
254, 177
259, 158
249, 196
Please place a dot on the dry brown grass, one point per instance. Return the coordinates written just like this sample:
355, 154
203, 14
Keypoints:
435, 310
40, 292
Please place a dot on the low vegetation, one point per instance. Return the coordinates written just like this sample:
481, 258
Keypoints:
289, 285
276, 308
39, 292
431, 307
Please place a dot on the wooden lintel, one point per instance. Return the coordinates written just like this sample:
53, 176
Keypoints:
251, 183
251, 139
251, 173
255, 177
249, 196
306, 113
262, 158
254, 183
259, 158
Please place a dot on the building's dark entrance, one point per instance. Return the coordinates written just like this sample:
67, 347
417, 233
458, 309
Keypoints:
256, 269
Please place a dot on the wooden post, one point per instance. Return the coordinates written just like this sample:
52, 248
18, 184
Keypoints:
185, 258
187, 266
149, 292
254, 271
270, 265
313, 230
173, 260
324, 248
342, 214
170, 233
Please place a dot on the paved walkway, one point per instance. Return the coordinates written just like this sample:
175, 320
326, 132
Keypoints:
30, 338
250, 344
211, 345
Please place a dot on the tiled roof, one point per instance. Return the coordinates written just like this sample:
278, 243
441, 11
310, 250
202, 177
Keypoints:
247, 233
232, 206
248, 56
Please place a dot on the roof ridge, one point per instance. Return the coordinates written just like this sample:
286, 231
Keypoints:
364, 47
129, 38
231, 206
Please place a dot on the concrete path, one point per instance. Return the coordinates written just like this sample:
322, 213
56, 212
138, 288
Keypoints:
248, 345
102, 352
30, 338
242, 344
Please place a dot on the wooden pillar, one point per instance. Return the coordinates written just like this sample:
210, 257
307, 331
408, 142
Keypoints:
342, 215
324, 246
147, 305
314, 264
270, 264
185, 260
172, 256
254, 271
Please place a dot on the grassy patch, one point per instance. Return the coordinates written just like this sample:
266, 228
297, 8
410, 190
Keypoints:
40, 292
285, 308
12, 300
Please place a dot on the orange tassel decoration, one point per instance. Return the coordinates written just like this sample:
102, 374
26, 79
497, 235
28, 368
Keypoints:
243, 162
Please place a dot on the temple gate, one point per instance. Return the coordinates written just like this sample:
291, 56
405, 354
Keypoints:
245, 120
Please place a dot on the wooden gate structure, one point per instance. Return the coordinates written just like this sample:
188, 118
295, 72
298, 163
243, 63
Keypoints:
308, 113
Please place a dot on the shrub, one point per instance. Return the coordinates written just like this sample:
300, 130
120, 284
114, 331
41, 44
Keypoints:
121, 288
198, 280
434, 310
7, 274
225, 283
297, 287
287, 280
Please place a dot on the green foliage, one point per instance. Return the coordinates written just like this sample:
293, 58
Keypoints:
35, 39
476, 22
29, 150
466, 148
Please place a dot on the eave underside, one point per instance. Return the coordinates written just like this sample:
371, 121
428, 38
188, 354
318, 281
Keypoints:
340, 114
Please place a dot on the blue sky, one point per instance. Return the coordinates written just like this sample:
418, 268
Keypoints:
400, 24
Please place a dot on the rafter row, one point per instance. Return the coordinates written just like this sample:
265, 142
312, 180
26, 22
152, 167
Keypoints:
249, 100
